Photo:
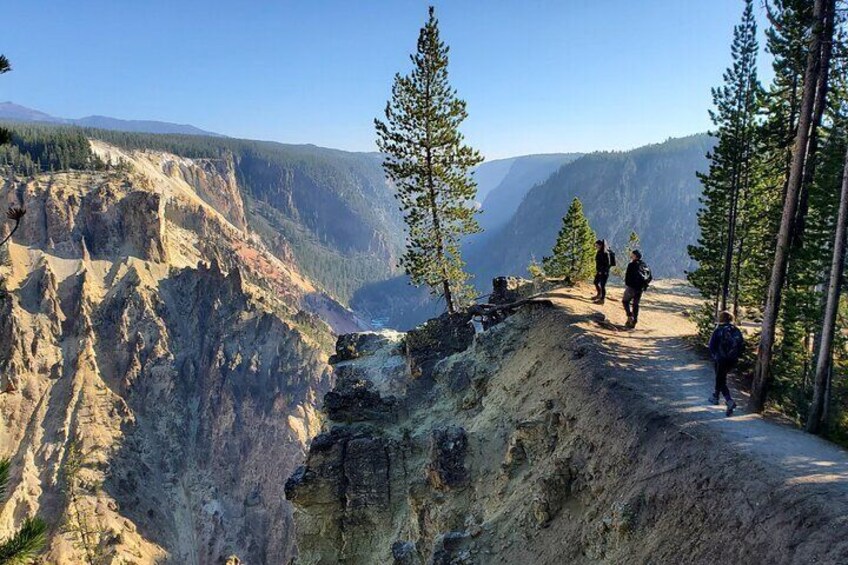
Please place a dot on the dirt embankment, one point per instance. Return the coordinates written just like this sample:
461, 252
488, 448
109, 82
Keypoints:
557, 438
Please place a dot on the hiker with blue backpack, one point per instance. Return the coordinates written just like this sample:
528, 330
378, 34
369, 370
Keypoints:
726, 346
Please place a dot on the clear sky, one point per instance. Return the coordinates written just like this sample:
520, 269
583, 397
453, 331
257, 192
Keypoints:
538, 76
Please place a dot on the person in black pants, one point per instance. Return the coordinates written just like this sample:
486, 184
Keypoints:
602, 269
726, 345
636, 280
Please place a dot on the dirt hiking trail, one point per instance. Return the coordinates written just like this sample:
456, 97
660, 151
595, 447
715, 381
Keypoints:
657, 359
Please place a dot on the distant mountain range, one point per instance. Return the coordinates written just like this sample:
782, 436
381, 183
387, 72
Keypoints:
502, 184
15, 112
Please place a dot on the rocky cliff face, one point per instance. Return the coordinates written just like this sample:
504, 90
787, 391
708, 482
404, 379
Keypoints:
214, 180
160, 365
522, 445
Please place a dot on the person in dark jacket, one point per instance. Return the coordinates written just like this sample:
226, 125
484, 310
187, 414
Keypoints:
726, 346
636, 280
602, 270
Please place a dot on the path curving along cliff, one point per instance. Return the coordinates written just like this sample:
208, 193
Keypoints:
554, 437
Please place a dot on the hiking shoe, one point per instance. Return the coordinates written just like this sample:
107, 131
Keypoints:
630, 323
599, 301
714, 399
730, 407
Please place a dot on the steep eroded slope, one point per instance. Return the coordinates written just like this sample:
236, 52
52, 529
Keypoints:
160, 364
548, 441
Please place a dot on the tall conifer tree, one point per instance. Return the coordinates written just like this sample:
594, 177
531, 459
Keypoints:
430, 164
574, 252
5, 67
727, 198
825, 353
801, 157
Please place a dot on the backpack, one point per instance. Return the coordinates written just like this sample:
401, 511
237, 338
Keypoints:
645, 275
730, 344
611, 257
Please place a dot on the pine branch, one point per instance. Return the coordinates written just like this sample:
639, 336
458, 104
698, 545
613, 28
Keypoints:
15, 214
5, 464
23, 547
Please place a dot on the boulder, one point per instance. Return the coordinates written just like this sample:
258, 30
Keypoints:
509, 289
356, 345
436, 339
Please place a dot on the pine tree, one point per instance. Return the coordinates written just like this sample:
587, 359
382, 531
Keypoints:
825, 354
5, 67
633, 242
727, 196
87, 530
430, 164
801, 157
574, 252
787, 43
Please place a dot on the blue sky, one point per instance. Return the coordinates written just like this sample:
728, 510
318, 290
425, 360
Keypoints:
538, 76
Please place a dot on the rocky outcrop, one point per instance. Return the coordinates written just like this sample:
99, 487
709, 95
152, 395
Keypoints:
509, 289
214, 180
94, 216
361, 471
357, 400
350, 477
437, 339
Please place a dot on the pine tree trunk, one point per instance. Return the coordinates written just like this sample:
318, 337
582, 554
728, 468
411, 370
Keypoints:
434, 210
440, 246
743, 196
731, 237
813, 140
448, 297
738, 275
827, 395
823, 363
762, 372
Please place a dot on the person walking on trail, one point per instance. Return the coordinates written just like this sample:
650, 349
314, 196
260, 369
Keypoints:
726, 346
603, 261
636, 280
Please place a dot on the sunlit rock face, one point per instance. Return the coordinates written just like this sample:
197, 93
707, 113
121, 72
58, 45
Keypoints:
162, 365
